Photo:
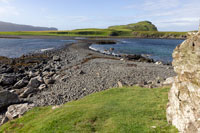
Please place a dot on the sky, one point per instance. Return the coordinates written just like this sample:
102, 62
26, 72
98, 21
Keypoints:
167, 15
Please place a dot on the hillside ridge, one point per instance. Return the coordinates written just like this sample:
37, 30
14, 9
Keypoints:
140, 26
7, 26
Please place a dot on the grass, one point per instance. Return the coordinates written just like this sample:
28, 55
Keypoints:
140, 26
102, 33
118, 110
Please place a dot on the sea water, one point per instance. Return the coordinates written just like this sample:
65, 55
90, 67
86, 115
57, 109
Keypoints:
157, 49
13, 48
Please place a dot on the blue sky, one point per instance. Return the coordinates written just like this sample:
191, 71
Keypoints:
167, 15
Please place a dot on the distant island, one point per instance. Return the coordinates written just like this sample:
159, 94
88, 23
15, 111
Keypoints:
143, 29
5, 26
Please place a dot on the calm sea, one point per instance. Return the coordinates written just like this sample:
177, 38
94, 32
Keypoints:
17, 47
158, 49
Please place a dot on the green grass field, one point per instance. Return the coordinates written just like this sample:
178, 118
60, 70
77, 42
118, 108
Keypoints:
102, 33
143, 29
118, 110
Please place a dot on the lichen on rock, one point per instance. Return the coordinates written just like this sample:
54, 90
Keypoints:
183, 109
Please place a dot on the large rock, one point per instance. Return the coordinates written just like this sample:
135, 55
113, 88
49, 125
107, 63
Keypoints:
20, 84
33, 74
27, 91
7, 98
15, 111
7, 79
32, 87
183, 109
49, 81
56, 58
35, 82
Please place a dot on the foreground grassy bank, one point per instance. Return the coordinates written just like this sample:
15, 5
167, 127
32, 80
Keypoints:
116, 110
102, 33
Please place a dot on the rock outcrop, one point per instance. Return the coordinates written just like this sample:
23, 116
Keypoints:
16, 111
183, 109
7, 98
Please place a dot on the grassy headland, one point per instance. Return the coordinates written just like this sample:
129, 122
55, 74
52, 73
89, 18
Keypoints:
144, 29
140, 26
131, 109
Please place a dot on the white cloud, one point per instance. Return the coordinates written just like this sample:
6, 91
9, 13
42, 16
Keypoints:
6, 11
5, 1
155, 5
160, 5
169, 14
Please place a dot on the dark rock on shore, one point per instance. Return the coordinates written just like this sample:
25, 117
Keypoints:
7, 98
7, 79
102, 41
139, 58
22, 83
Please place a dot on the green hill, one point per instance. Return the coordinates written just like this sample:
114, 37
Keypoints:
144, 29
121, 110
140, 26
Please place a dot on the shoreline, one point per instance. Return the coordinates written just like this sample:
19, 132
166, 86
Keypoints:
73, 72
72, 37
92, 40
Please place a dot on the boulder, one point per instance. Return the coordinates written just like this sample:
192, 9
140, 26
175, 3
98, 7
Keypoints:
169, 81
56, 58
47, 68
49, 81
20, 84
35, 82
27, 91
159, 63
4, 120
81, 72
120, 84
112, 49
7, 79
7, 98
6, 69
183, 109
56, 107
42, 87
1, 88
33, 74
15, 111
139, 58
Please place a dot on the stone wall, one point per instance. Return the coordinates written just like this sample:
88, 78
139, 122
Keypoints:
183, 109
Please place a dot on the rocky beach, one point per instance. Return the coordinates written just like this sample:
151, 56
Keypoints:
59, 76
